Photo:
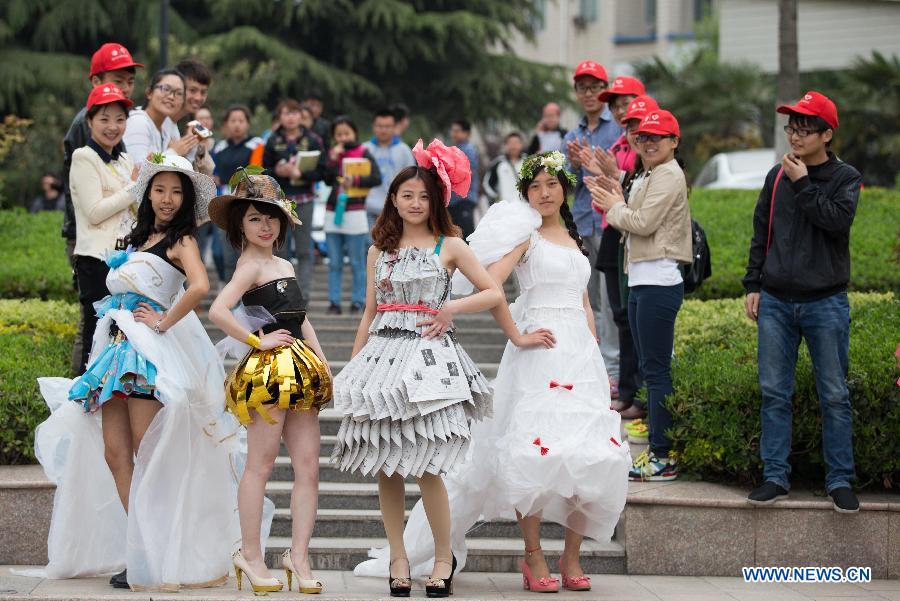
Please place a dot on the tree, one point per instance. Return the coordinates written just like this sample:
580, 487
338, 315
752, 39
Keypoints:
443, 58
868, 100
787, 82
719, 106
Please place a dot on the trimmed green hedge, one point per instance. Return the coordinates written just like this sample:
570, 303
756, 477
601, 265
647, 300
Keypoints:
727, 219
34, 261
717, 398
35, 340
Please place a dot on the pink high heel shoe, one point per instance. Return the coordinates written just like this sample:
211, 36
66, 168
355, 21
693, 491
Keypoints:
538, 585
576, 583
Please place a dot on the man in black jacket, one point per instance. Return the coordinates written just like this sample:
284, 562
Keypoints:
796, 287
280, 161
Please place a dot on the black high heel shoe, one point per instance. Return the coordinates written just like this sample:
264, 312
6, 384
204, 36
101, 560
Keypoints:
441, 587
400, 587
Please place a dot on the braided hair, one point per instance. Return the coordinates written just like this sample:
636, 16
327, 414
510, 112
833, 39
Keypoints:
566, 213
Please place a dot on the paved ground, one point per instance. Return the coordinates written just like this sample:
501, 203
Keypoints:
474, 585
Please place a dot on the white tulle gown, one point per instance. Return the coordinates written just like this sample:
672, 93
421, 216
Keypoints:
182, 524
553, 447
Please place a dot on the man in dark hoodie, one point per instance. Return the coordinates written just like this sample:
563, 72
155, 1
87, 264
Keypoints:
796, 287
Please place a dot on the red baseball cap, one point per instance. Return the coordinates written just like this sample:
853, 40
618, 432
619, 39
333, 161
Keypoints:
814, 104
590, 68
111, 57
639, 107
106, 93
659, 122
623, 85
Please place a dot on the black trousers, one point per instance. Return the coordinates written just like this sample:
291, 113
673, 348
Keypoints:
629, 374
91, 274
463, 214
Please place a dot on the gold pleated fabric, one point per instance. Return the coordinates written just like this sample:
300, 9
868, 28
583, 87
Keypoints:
288, 377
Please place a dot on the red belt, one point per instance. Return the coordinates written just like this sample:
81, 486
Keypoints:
402, 307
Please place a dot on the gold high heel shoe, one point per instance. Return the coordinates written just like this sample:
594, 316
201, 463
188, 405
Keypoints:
261, 586
304, 585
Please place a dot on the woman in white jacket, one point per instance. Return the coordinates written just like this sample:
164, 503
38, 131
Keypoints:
101, 180
151, 128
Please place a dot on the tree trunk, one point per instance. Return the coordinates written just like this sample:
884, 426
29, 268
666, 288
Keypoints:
787, 84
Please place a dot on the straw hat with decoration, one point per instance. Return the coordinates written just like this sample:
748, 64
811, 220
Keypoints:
249, 183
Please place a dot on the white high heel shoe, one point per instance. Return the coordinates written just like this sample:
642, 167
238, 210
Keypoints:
259, 585
304, 585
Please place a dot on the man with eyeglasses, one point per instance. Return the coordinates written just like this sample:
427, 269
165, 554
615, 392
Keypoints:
597, 128
796, 287
197, 80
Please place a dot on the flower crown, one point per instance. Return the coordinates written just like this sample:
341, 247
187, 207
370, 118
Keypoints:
552, 162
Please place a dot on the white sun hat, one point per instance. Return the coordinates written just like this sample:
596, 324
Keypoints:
204, 186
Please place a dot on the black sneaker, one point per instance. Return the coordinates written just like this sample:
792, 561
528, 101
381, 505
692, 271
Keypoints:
120, 580
355, 308
334, 309
844, 500
767, 494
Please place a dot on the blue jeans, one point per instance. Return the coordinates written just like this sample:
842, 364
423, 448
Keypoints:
355, 247
651, 315
302, 249
825, 325
208, 233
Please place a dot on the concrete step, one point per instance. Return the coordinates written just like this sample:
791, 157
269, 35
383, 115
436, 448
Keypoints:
327, 472
367, 523
480, 353
485, 554
327, 334
340, 495
488, 369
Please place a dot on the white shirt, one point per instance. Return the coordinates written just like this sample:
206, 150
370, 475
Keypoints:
354, 222
143, 138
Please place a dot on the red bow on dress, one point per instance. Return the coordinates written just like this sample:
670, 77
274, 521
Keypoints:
555, 384
537, 443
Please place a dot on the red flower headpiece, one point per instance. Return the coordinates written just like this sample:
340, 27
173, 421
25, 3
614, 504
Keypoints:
450, 163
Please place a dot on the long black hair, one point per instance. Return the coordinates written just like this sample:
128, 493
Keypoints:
184, 223
564, 211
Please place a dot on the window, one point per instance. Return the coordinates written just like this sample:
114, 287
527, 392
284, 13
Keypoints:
588, 11
709, 174
702, 9
539, 22
650, 15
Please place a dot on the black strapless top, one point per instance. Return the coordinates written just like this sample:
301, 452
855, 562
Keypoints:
283, 299
159, 249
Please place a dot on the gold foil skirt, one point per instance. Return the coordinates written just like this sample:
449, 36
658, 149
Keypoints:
288, 377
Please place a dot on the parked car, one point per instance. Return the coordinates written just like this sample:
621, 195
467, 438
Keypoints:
739, 169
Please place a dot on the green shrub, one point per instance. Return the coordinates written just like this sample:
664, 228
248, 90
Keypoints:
727, 219
717, 398
35, 340
34, 261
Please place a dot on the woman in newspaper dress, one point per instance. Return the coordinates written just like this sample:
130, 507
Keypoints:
149, 486
552, 450
410, 391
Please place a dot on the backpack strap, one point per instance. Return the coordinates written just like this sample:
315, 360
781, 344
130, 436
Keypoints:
772, 207
437, 248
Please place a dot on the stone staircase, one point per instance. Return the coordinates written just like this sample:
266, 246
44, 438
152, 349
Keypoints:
349, 522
